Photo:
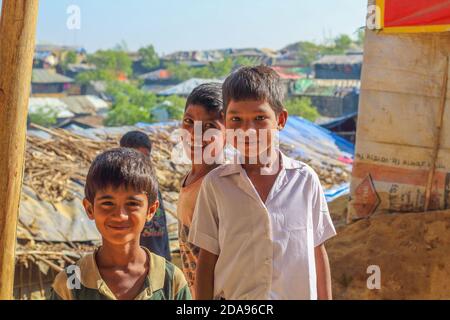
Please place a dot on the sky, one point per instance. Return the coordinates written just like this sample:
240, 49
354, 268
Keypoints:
172, 25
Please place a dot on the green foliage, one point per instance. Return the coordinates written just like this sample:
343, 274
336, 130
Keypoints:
87, 76
176, 108
244, 62
308, 52
110, 65
43, 116
150, 59
132, 105
343, 43
218, 69
360, 36
112, 60
125, 113
302, 107
121, 46
70, 58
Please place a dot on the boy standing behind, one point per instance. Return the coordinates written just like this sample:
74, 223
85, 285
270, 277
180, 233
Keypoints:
121, 195
261, 225
204, 106
155, 235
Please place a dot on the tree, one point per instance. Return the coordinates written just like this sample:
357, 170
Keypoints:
124, 113
69, 58
43, 116
213, 70
243, 62
112, 61
110, 66
302, 107
360, 36
176, 107
150, 59
343, 43
132, 105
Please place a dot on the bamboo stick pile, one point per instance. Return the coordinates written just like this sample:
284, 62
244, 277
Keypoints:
331, 172
51, 164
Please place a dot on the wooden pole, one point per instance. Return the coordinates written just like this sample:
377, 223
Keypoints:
437, 142
17, 41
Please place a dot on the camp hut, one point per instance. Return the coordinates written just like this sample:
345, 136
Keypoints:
347, 66
45, 82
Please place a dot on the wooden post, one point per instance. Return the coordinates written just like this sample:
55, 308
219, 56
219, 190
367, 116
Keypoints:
17, 41
437, 142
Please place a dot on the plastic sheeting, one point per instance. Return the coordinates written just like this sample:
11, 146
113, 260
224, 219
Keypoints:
319, 145
62, 222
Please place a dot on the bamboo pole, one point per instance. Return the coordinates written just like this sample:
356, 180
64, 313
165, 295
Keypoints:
437, 142
17, 40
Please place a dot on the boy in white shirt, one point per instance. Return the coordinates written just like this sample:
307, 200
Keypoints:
261, 223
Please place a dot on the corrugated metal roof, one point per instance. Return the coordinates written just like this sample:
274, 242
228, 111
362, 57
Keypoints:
49, 104
84, 104
185, 88
325, 87
159, 74
341, 59
48, 76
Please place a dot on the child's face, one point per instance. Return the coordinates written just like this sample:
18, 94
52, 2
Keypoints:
206, 120
120, 214
256, 118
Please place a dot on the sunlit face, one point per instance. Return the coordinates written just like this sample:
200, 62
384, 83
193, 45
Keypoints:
208, 120
120, 214
258, 120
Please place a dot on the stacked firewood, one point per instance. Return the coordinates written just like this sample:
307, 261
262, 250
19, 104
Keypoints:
52, 165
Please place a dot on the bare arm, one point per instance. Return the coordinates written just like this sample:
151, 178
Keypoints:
204, 282
324, 291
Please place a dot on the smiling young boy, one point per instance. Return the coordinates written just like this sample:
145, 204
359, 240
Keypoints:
121, 195
204, 107
261, 223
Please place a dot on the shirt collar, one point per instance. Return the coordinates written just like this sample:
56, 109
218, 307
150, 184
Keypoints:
287, 163
91, 278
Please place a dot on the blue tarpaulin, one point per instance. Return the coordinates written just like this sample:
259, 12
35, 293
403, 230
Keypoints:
310, 141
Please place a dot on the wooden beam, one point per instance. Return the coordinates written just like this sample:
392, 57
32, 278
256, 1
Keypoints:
438, 136
17, 41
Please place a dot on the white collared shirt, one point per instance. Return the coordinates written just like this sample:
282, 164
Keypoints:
265, 250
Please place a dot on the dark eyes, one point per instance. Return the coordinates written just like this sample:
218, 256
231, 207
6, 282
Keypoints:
210, 126
188, 121
129, 204
107, 203
257, 118
133, 204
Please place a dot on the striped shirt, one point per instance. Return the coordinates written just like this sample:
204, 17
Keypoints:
83, 282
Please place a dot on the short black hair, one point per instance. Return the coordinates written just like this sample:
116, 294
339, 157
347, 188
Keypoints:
207, 95
121, 167
136, 139
254, 83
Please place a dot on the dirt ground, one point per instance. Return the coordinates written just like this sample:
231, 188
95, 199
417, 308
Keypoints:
412, 251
